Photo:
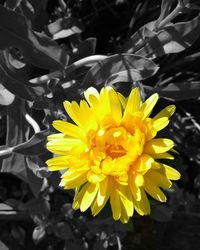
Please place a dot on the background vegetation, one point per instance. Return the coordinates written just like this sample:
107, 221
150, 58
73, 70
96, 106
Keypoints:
74, 44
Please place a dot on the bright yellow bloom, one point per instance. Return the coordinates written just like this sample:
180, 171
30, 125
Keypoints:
110, 154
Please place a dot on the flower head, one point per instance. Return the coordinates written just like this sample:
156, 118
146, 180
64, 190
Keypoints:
110, 154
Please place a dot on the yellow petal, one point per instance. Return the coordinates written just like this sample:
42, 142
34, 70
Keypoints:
102, 196
160, 123
89, 196
133, 103
79, 192
154, 190
158, 179
55, 136
63, 146
148, 105
115, 105
135, 190
166, 112
115, 203
92, 96
124, 216
162, 156
170, 172
73, 179
157, 146
57, 163
161, 120
139, 180
103, 192
122, 100
70, 111
69, 129
126, 199
142, 206
95, 178
143, 164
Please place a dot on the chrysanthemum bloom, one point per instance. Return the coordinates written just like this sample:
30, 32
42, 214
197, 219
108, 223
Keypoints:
110, 154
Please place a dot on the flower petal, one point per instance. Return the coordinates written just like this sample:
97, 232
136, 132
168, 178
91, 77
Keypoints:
73, 179
126, 199
154, 190
167, 112
157, 146
69, 129
102, 196
89, 196
161, 120
115, 203
63, 146
148, 105
133, 102
57, 163
158, 179
170, 172
142, 206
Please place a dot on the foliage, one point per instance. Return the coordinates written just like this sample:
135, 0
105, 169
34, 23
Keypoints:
51, 51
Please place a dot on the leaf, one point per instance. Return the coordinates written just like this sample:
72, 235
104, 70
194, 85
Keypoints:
36, 48
17, 83
120, 66
3, 246
38, 234
39, 209
34, 146
65, 27
139, 38
63, 231
177, 91
41, 18
12, 4
165, 9
76, 244
35, 183
17, 130
171, 39
38, 167
161, 213
18, 233
101, 244
14, 59
6, 97
5, 207
85, 48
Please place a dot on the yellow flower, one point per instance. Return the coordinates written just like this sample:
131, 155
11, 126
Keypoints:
110, 154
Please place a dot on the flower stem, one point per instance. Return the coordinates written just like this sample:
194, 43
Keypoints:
6, 152
56, 74
33, 123
170, 17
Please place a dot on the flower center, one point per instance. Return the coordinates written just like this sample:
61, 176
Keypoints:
115, 151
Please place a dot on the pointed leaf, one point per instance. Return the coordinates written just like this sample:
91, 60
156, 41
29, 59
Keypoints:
172, 39
65, 27
177, 91
6, 97
17, 83
35, 182
120, 66
34, 146
17, 131
36, 48
3, 246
